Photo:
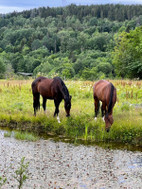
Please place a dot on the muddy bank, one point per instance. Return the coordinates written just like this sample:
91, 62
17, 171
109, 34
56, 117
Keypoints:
63, 165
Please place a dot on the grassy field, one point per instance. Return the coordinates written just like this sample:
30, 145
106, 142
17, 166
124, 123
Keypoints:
16, 111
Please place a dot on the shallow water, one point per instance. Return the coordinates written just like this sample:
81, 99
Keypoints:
55, 165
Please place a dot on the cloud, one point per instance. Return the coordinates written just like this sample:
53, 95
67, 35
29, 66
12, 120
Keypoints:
89, 2
8, 6
8, 9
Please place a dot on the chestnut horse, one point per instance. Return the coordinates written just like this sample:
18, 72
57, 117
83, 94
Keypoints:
54, 89
105, 92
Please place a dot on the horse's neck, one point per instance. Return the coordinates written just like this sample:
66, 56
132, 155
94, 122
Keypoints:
65, 96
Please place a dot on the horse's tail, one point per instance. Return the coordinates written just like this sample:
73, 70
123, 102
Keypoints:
110, 106
36, 102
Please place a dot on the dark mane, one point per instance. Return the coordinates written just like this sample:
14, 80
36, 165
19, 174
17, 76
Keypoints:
64, 89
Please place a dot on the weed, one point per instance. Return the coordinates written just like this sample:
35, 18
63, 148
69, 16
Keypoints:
21, 174
2, 181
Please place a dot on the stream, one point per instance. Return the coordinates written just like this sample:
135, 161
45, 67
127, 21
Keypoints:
59, 165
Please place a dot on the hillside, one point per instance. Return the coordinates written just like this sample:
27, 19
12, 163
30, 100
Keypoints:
72, 42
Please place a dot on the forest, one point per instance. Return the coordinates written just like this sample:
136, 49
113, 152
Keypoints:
73, 42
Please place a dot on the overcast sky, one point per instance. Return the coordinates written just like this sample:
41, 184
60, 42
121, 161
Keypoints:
7, 6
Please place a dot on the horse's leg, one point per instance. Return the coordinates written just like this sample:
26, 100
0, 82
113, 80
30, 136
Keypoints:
103, 109
57, 103
97, 105
44, 104
36, 102
34, 110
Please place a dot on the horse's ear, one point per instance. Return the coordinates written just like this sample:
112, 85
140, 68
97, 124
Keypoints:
70, 97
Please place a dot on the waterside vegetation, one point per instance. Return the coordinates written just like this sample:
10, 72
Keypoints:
16, 112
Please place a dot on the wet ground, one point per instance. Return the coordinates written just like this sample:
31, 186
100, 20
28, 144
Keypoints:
56, 165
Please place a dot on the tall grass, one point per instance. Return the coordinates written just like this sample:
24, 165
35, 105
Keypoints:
16, 111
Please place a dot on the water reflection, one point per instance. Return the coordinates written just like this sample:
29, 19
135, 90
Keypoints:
136, 163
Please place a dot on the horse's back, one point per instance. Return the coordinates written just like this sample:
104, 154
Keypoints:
44, 88
101, 89
101, 82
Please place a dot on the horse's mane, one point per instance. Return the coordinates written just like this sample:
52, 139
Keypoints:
64, 89
111, 98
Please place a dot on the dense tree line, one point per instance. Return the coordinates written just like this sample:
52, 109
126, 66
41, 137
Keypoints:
112, 12
72, 42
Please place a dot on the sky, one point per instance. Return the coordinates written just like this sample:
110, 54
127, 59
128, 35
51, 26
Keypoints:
8, 6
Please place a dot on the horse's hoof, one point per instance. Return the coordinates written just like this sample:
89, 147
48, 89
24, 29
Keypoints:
103, 118
58, 119
95, 118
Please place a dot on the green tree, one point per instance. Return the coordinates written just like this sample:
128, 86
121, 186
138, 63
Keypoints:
89, 74
2, 68
127, 56
104, 66
36, 44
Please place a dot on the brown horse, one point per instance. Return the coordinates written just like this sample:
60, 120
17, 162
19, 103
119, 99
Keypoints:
105, 92
54, 89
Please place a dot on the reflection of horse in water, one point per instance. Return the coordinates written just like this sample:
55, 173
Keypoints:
54, 89
105, 92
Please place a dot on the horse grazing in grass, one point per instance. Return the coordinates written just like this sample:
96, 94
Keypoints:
54, 89
105, 92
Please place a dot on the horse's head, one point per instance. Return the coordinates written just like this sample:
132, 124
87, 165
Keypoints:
108, 122
67, 105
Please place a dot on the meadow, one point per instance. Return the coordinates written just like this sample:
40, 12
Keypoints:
16, 112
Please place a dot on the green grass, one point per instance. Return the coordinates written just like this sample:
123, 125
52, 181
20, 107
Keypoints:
25, 136
8, 134
21, 135
16, 112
